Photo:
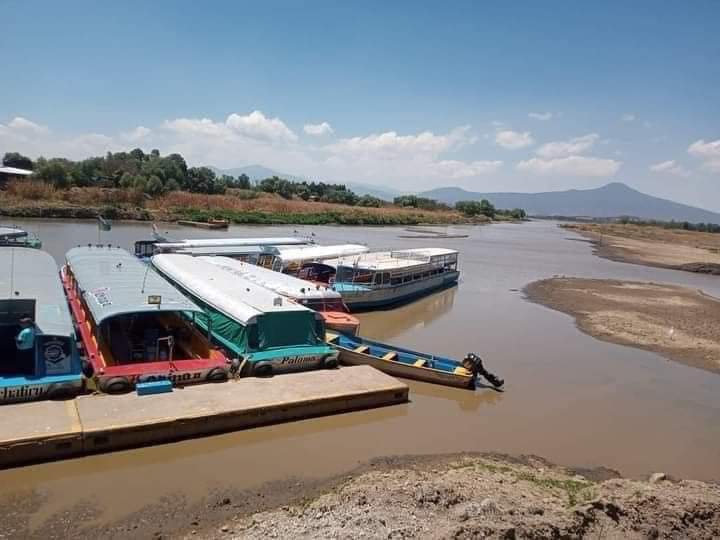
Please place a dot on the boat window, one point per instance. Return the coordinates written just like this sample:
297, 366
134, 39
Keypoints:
396, 280
253, 341
377, 279
386, 278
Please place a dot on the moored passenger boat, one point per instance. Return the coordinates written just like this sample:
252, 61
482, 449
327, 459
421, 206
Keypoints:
135, 326
38, 357
290, 260
13, 236
399, 362
241, 248
384, 278
268, 332
319, 298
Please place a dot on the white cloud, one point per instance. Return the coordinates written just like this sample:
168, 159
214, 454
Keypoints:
462, 169
670, 167
318, 129
577, 145
390, 145
709, 152
24, 125
137, 134
541, 116
570, 166
257, 125
197, 126
513, 140
628, 117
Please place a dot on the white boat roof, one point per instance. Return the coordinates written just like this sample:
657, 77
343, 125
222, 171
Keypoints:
7, 232
233, 295
318, 253
277, 282
15, 171
35, 276
391, 260
228, 242
114, 282
227, 251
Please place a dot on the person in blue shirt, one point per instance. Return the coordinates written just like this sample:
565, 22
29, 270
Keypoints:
25, 340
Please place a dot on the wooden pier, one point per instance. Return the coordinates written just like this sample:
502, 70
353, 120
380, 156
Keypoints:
50, 430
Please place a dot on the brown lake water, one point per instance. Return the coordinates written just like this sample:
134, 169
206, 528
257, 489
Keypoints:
569, 398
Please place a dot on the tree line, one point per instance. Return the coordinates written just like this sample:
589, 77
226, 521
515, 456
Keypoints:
155, 175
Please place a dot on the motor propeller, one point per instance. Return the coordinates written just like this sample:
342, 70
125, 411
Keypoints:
473, 363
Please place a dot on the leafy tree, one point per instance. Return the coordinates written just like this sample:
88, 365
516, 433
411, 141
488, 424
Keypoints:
172, 185
55, 173
17, 160
243, 182
370, 201
154, 186
476, 208
127, 181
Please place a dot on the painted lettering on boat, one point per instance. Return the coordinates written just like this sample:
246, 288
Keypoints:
23, 393
296, 362
184, 377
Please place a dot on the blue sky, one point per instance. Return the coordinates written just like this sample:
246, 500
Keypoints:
489, 96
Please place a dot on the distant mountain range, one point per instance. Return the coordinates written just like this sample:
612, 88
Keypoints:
259, 172
612, 200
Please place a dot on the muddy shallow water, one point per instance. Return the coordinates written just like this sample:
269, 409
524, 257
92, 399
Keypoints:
570, 398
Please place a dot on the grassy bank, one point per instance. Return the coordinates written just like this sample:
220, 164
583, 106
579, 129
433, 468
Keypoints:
40, 200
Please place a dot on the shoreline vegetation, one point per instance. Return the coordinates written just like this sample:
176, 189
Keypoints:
676, 322
654, 245
438, 496
148, 187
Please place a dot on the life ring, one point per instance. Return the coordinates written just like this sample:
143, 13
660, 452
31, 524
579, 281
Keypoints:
262, 369
217, 374
115, 385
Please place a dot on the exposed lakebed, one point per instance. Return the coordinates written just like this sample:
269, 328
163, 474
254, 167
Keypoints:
570, 398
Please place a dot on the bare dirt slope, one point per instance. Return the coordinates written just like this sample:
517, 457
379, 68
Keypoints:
654, 246
680, 323
489, 497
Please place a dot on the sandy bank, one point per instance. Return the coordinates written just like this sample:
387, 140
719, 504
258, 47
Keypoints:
654, 246
489, 497
680, 323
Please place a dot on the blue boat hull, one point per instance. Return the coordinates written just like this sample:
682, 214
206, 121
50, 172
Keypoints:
400, 362
367, 298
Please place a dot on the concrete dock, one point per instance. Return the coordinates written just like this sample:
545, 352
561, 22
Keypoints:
50, 430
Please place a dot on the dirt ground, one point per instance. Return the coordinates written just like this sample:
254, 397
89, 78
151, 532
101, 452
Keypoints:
681, 324
446, 496
654, 246
489, 497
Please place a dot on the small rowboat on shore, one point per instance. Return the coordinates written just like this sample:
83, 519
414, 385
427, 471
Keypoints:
355, 350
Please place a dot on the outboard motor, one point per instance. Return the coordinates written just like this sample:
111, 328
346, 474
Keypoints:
473, 363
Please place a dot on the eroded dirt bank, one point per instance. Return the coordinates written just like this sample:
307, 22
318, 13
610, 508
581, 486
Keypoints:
654, 246
489, 497
440, 496
680, 323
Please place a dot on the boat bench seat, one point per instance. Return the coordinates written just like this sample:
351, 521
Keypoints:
364, 349
392, 355
420, 362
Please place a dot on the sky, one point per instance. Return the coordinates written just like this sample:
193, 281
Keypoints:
488, 96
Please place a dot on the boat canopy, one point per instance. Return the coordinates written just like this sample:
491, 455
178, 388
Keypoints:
315, 253
283, 284
228, 242
395, 260
31, 274
223, 251
246, 316
113, 282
